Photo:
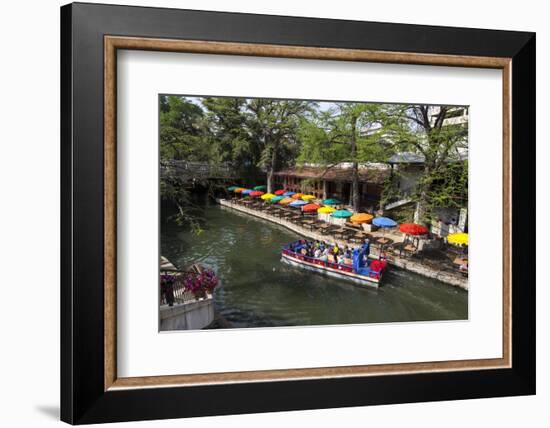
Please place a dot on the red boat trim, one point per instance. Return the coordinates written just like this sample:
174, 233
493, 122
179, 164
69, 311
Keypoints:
344, 270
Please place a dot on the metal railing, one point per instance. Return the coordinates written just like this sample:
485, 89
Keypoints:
176, 293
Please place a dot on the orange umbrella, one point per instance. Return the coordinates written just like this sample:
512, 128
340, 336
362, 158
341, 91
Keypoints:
359, 218
256, 193
310, 207
286, 201
297, 195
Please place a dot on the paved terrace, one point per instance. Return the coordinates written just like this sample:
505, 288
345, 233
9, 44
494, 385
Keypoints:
432, 264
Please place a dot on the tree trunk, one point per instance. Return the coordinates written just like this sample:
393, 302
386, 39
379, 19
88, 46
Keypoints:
422, 203
355, 167
272, 169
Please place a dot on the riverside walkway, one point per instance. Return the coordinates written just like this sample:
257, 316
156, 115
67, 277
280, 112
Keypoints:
431, 270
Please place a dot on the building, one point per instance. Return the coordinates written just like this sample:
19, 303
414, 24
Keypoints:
335, 182
407, 168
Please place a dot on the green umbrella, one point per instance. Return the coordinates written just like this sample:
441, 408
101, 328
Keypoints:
331, 202
276, 199
262, 187
231, 188
342, 214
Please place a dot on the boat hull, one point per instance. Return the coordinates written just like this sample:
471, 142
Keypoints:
334, 273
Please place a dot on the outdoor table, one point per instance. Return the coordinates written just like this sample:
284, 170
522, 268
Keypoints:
459, 261
309, 224
384, 241
339, 232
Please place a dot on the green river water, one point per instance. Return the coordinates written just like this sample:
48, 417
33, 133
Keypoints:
257, 290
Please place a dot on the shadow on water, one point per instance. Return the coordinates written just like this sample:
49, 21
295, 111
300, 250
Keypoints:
257, 290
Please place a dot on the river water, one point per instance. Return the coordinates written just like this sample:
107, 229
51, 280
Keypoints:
257, 290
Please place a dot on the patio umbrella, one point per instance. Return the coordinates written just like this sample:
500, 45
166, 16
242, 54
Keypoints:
279, 192
276, 199
331, 202
341, 214
308, 197
298, 203
413, 229
296, 196
384, 222
286, 201
255, 193
239, 189
267, 196
232, 188
458, 238
326, 210
246, 192
359, 218
288, 193
310, 208
262, 187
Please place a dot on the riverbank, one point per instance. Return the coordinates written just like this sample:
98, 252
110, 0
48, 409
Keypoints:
451, 278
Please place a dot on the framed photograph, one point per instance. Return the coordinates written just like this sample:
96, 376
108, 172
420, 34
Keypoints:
266, 213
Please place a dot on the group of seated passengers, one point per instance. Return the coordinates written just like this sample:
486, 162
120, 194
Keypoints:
324, 252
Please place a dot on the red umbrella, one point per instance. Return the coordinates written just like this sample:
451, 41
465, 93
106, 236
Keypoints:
256, 193
413, 229
310, 207
279, 192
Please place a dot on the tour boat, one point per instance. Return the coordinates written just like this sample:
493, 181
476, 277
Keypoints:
361, 271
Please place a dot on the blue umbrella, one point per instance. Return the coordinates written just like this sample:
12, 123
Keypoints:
289, 193
246, 191
298, 203
384, 222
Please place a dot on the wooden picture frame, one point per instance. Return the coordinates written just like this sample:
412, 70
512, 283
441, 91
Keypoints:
91, 390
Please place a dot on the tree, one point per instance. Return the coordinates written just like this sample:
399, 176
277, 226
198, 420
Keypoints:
347, 132
181, 130
274, 125
426, 130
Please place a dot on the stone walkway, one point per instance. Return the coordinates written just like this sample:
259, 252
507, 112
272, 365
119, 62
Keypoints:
427, 267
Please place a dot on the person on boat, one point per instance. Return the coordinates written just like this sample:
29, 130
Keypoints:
335, 249
317, 253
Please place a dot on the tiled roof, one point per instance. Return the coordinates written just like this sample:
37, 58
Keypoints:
370, 175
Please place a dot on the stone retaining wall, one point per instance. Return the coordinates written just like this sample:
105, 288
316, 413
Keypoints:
401, 262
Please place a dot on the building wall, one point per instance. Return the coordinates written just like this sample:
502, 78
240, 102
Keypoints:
370, 193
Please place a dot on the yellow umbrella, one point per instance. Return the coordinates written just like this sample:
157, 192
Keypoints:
267, 196
359, 218
326, 210
286, 201
308, 197
458, 238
